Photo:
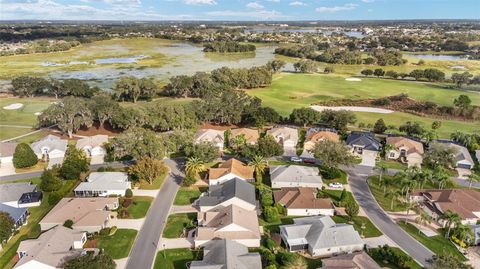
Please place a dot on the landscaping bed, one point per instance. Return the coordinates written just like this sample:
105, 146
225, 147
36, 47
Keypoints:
176, 223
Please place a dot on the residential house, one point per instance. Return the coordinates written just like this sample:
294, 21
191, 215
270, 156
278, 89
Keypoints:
251, 135
283, 176
7, 149
303, 202
464, 161
88, 214
104, 184
215, 137
235, 191
51, 249
18, 214
356, 260
476, 234
464, 202
320, 236
405, 149
225, 254
232, 168
51, 149
11, 194
477, 155
230, 222
315, 136
93, 147
364, 145
287, 137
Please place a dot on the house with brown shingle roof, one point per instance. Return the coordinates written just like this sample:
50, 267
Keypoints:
230, 222
317, 135
405, 149
251, 135
228, 170
466, 203
88, 214
355, 260
303, 202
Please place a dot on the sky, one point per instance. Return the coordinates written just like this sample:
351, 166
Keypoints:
247, 10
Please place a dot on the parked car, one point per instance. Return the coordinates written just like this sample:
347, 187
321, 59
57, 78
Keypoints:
296, 159
335, 185
310, 161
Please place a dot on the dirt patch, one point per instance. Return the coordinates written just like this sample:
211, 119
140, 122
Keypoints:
220, 127
94, 130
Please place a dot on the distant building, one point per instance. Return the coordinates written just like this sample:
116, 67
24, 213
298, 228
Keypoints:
228, 170
235, 191
93, 147
405, 149
103, 184
283, 176
215, 137
356, 260
11, 194
287, 137
303, 202
224, 254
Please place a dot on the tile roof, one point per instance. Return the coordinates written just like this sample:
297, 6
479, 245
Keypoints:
411, 145
463, 202
236, 187
295, 173
356, 260
233, 166
227, 254
301, 198
7, 149
251, 135
10, 192
365, 139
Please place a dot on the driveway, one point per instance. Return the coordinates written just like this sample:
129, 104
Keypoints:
368, 158
145, 248
7, 169
54, 161
358, 183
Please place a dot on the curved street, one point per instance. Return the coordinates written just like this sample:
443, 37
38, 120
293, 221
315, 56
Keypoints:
358, 183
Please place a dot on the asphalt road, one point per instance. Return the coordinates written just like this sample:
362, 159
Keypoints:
361, 191
145, 247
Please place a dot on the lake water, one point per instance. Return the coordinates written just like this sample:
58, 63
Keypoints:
356, 34
443, 57
120, 60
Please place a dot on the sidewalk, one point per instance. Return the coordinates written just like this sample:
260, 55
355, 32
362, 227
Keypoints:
151, 193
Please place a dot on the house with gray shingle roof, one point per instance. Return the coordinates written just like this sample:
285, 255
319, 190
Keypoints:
283, 176
93, 147
104, 184
357, 260
235, 191
227, 254
320, 236
11, 194
51, 149
18, 214
365, 145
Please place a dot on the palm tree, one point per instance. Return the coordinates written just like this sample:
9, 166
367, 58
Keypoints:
423, 219
473, 177
407, 185
382, 169
386, 182
409, 206
194, 166
463, 232
441, 177
386, 149
259, 164
426, 176
239, 140
450, 219
394, 196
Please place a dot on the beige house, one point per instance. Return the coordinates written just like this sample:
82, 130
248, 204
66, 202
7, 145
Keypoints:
315, 136
215, 137
93, 147
230, 222
251, 135
405, 149
287, 137
228, 170
88, 214
51, 249
303, 202
356, 260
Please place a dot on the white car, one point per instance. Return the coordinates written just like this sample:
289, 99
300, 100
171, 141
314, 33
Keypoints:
335, 185
296, 159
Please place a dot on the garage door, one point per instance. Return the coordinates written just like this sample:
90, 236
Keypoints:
368, 158
464, 166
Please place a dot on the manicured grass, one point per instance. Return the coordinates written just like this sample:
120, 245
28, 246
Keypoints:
384, 202
273, 227
393, 164
32, 137
358, 222
118, 245
336, 194
176, 223
138, 209
23, 116
176, 258
412, 264
438, 244
33, 180
157, 183
11, 132
40, 166
187, 195
343, 179
31, 229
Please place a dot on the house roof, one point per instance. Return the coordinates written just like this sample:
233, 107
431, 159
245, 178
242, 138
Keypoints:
295, 173
30, 197
10, 192
53, 247
51, 142
236, 187
82, 211
461, 201
317, 136
105, 181
321, 232
227, 254
301, 198
251, 135
283, 133
400, 142
462, 153
233, 166
7, 149
356, 260
15, 213
92, 141
209, 135
365, 139
244, 221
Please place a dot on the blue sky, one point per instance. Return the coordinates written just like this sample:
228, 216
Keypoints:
238, 9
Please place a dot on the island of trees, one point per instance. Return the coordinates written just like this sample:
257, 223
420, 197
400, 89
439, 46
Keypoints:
228, 46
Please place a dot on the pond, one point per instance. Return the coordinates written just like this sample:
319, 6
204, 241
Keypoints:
443, 57
119, 60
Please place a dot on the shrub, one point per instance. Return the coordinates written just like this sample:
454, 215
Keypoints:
269, 243
105, 231
24, 156
271, 214
54, 198
266, 198
68, 223
128, 193
189, 181
49, 181
330, 172
106, 169
280, 208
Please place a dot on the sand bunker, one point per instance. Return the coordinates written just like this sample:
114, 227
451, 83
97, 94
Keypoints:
353, 108
353, 79
13, 106
37, 113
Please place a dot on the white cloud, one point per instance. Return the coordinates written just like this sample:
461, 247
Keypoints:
276, 1
257, 14
368, 1
297, 3
200, 2
334, 9
255, 5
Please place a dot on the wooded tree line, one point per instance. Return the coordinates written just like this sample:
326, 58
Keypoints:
228, 46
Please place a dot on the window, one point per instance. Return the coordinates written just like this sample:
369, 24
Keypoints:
392, 154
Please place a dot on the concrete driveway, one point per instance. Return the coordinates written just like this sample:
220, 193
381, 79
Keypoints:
7, 169
368, 159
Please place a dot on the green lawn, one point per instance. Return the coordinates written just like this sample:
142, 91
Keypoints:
411, 265
393, 164
273, 227
369, 229
384, 202
157, 183
187, 195
438, 244
176, 223
23, 116
138, 209
118, 245
175, 258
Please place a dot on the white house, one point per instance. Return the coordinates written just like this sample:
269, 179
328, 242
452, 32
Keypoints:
51, 149
93, 147
104, 184
215, 137
303, 202
283, 176
286, 136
